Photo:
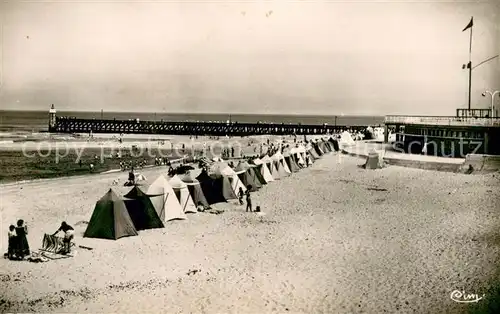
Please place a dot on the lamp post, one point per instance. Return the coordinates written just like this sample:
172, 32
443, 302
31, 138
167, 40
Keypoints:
492, 94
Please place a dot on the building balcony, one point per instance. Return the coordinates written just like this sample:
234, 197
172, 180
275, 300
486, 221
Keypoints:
442, 120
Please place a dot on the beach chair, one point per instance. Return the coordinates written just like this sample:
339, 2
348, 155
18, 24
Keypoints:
53, 244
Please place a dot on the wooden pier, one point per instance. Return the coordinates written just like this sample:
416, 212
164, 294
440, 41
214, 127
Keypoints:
76, 125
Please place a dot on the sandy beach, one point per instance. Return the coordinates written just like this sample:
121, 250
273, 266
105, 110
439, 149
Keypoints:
336, 239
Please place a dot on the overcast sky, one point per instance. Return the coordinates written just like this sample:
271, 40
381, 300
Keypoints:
360, 57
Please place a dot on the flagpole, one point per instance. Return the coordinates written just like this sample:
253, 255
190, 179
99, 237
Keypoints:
470, 66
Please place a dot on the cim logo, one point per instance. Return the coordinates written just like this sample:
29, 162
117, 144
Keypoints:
462, 297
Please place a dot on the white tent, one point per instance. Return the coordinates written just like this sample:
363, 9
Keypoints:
264, 170
272, 167
185, 199
281, 162
346, 139
167, 205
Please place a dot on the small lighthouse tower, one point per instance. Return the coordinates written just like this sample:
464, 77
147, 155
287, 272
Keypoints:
52, 119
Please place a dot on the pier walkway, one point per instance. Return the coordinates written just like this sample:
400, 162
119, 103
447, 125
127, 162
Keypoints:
395, 158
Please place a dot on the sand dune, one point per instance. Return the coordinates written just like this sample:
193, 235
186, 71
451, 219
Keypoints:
328, 244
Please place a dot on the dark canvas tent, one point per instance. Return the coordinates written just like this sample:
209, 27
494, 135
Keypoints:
141, 210
218, 173
327, 146
247, 176
257, 172
212, 188
110, 219
335, 144
318, 149
323, 147
194, 188
314, 152
291, 164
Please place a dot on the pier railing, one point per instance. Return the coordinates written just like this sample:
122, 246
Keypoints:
74, 125
441, 120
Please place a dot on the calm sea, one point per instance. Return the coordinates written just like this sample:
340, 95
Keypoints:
36, 121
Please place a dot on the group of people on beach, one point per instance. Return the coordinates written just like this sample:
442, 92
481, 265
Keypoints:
18, 242
19, 247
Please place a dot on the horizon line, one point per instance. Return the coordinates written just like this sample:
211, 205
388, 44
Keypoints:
200, 113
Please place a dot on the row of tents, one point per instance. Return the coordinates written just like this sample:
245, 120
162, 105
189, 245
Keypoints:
165, 200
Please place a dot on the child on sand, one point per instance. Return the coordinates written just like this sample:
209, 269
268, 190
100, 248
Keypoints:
249, 199
240, 195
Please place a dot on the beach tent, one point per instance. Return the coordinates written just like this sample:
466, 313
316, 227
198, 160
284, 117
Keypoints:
212, 188
317, 149
314, 152
165, 203
374, 160
272, 167
335, 144
245, 173
297, 157
324, 146
219, 171
256, 173
183, 195
281, 165
301, 150
141, 210
264, 170
194, 187
291, 163
279, 157
223, 170
110, 219
311, 156
346, 139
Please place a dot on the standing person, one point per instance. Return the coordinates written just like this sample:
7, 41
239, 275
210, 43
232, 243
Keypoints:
240, 195
131, 176
249, 199
69, 234
12, 242
22, 246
